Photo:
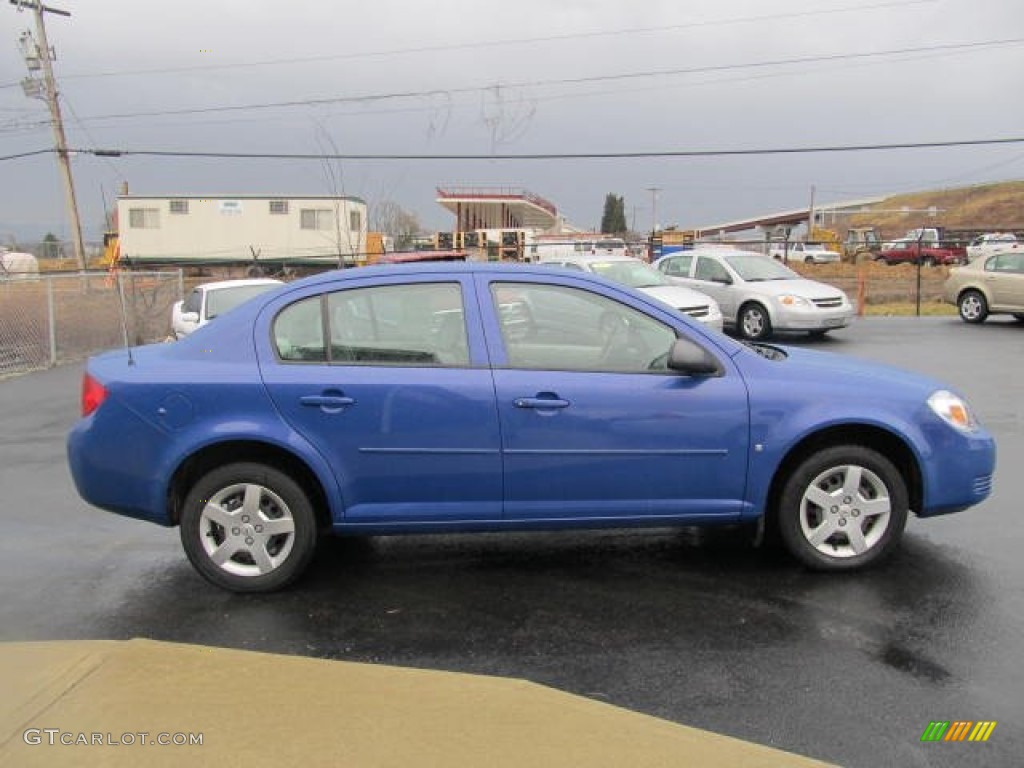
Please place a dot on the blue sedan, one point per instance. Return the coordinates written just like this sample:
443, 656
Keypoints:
482, 397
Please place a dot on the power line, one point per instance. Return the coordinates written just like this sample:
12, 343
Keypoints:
320, 156
28, 154
563, 81
498, 43
451, 103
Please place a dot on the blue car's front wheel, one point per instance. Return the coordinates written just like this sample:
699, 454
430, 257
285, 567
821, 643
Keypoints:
248, 527
843, 508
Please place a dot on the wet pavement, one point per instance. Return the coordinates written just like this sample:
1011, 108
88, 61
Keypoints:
692, 626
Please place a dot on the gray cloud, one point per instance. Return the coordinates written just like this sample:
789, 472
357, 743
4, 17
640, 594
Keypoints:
488, 77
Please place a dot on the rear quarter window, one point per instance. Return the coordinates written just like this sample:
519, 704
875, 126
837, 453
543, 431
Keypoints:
299, 332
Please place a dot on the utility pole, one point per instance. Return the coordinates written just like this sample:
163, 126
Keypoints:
41, 56
654, 208
810, 217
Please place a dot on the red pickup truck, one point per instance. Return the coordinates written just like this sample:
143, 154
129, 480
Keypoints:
909, 251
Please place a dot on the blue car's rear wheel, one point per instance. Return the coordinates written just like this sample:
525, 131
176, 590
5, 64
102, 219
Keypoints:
248, 528
843, 508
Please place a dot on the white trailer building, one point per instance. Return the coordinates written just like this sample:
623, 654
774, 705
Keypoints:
234, 229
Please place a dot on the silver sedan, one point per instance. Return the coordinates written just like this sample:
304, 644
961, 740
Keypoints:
759, 296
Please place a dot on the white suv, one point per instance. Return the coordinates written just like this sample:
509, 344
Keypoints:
986, 245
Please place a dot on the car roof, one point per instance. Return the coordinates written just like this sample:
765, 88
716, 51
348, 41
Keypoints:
717, 251
588, 258
508, 269
220, 284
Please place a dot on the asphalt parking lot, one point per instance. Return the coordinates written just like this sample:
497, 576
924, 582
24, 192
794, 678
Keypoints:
697, 628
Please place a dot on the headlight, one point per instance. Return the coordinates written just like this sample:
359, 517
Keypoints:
953, 410
788, 300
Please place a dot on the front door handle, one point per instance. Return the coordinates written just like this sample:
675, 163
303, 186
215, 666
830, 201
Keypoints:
541, 402
326, 401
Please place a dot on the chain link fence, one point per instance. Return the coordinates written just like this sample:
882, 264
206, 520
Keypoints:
55, 319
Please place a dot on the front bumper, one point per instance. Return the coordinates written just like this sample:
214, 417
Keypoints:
811, 318
958, 473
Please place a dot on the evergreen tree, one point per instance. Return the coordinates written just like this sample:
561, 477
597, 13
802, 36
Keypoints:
613, 220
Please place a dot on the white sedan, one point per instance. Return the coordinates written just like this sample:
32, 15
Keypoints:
207, 301
758, 295
640, 275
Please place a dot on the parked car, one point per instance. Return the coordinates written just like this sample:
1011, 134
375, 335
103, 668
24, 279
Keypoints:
808, 253
988, 286
465, 397
642, 276
994, 242
209, 300
759, 296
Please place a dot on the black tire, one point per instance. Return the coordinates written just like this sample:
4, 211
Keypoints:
753, 322
808, 259
928, 261
236, 548
819, 533
972, 306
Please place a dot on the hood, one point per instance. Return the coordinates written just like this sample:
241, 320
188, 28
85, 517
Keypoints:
864, 375
678, 296
808, 289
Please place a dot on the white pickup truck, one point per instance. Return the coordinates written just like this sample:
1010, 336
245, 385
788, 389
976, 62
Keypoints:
809, 253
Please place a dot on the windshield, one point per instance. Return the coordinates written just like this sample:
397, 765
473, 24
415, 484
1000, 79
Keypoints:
221, 300
754, 268
630, 272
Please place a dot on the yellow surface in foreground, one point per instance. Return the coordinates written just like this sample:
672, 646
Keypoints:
256, 709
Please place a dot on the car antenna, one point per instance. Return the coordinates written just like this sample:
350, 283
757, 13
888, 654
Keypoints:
124, 317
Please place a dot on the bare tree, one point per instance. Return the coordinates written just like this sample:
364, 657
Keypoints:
390, 218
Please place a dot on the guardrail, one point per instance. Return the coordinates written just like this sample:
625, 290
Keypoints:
59, 318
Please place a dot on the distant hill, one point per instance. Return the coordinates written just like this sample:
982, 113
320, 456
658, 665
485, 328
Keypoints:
992, 207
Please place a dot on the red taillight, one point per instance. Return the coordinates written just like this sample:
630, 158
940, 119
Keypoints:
93, 394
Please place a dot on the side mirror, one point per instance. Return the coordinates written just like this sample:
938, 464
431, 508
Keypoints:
692, 359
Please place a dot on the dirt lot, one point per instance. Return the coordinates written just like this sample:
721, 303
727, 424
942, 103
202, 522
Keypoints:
882, 284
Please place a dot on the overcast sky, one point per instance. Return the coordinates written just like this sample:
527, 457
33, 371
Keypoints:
534, 76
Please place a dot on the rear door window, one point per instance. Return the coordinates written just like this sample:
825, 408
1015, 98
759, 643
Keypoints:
420, 324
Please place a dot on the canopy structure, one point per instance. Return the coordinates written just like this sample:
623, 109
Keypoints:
497, 208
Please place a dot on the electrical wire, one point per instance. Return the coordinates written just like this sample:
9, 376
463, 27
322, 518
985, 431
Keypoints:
489, 44
107, 153
564, 81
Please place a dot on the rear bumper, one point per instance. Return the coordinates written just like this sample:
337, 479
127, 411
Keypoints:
112, 468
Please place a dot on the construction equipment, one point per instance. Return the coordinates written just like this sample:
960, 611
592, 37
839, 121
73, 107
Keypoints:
861, 244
